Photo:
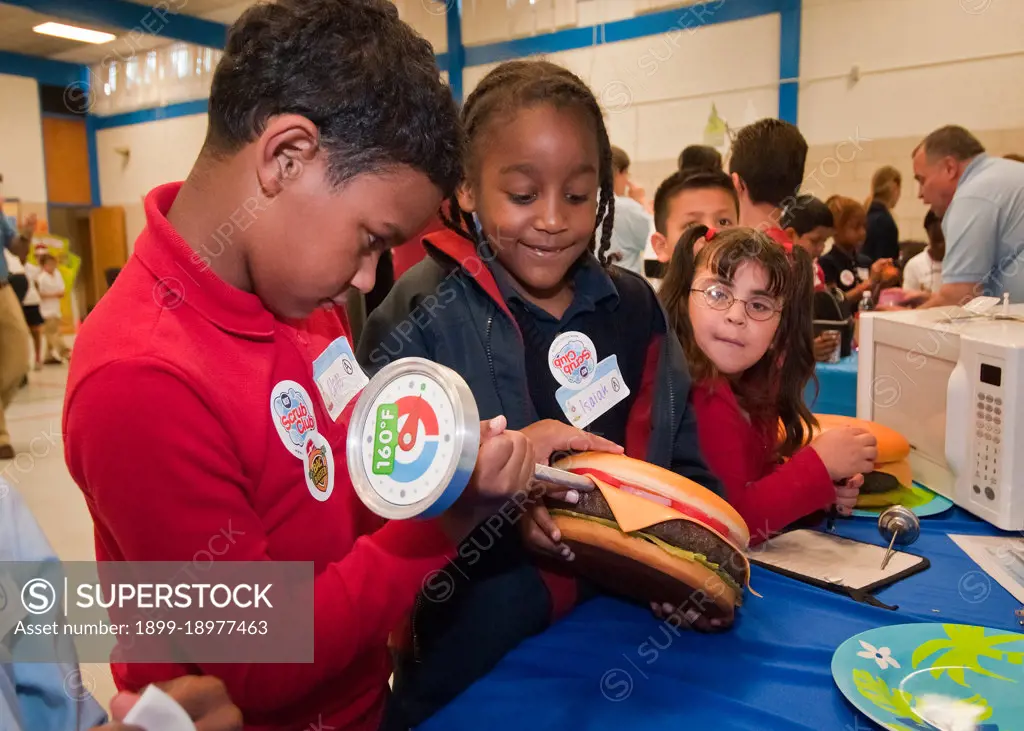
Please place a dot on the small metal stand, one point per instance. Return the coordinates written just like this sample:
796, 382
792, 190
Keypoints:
900, 526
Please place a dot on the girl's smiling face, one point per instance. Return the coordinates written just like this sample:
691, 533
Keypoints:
534, 190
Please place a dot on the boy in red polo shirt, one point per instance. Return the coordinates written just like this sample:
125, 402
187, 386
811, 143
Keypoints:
331, 138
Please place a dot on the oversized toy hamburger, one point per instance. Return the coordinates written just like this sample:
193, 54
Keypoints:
652, 535
890, 482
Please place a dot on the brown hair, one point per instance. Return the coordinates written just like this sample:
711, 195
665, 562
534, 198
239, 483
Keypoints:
882, 183
1015, 157
769, 156
620, 159
843, 209
774, 386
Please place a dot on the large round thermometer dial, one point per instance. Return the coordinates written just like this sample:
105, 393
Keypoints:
413, 440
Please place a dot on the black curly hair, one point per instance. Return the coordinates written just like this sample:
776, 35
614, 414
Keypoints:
366, 79
516, 84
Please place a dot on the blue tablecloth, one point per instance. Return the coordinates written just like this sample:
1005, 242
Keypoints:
612, 665
837, 388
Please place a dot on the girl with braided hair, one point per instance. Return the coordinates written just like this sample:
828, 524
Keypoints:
519, 277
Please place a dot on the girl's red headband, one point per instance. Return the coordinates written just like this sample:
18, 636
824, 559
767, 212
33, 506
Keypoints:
784, 243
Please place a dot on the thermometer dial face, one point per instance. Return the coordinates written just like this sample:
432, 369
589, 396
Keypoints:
408, 440
413, 439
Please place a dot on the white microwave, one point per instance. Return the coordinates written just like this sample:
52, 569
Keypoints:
953, 384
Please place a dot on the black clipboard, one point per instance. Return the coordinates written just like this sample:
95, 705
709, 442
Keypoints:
837, 564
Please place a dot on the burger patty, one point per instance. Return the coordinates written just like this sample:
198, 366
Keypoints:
683, 534
878, 482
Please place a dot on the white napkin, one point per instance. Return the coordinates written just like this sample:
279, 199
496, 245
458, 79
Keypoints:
157, 711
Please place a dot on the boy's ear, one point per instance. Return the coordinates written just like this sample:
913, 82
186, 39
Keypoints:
286, 147
467, 201
792, 234
738, 183
661, 247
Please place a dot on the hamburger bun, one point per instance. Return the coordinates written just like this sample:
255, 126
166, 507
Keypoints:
639, 569
892, 446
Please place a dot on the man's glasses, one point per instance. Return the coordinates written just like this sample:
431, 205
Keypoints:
719, 297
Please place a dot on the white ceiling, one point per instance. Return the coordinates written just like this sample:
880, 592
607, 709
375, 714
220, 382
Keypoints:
17, 36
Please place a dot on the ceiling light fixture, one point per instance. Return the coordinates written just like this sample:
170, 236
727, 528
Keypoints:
74, 33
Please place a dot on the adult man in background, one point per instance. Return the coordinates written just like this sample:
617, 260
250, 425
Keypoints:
981, 202
14, 335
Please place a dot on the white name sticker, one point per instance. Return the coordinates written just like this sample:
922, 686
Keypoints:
338, 376
584, 406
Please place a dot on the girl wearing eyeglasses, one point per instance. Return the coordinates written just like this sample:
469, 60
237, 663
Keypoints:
741, 304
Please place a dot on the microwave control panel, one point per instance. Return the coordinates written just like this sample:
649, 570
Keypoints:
988, 433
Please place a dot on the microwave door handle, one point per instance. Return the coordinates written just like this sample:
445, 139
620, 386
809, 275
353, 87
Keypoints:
958, 419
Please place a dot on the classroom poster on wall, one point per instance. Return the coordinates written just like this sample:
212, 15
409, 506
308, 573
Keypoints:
68, 264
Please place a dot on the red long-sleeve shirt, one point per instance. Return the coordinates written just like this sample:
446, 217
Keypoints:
767, 494
169, 434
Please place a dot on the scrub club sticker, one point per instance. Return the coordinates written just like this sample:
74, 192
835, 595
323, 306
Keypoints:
572, 359
846, 278
588, 389
318, 466
292, 412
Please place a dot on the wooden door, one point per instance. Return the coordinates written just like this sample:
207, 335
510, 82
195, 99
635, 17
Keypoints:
108, 244
67, 161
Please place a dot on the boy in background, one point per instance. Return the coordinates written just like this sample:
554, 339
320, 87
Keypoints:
923, 273
685, 198
767, 167
51, 290
808, 223
632, 224
700, 158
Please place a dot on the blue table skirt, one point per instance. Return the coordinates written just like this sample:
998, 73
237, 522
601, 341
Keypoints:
837, 388
612, 665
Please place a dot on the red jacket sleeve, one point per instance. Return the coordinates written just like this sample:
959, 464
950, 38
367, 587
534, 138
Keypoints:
185, 483
768, 497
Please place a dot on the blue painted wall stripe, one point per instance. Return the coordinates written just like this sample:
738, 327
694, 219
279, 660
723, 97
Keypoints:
182, 109
133, 16
94, 159
456, 56
694, 16
789, 60
43, 70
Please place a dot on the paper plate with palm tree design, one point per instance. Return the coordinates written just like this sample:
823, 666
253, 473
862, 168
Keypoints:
922, 677
921, 501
